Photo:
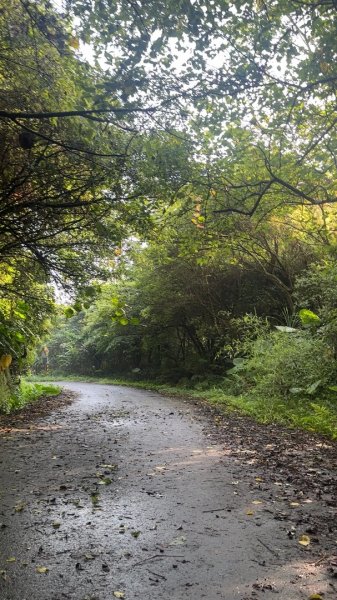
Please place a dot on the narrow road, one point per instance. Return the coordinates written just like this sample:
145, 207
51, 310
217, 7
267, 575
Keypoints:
127, 494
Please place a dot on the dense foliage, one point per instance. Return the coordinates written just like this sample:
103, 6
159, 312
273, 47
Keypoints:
179, 182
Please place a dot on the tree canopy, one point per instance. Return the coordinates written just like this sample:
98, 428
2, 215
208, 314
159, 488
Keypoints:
172, 166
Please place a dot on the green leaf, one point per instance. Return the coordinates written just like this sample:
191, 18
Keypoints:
135, 534
308, 318
239, 361
313, 387
333, 388
69, 312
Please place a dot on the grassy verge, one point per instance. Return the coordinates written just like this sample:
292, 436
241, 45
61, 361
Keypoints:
316, 415
30, 392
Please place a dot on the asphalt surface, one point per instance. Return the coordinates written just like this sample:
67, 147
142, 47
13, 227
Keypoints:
127, 494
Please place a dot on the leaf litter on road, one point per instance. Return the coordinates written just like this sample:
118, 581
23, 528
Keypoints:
304, 540
41, 569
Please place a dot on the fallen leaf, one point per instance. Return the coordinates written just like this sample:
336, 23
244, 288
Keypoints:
135, 534
11, 559
257, 502
304, 540
119, 594
258, 479
250, 513
20, 506
315, 597
105, 481
294, 504
111, 467
56, 524
42, 569
179, 541
95, 498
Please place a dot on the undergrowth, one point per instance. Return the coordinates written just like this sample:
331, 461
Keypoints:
28, 392
319, 415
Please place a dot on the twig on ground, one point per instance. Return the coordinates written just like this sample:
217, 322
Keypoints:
157, 556
157, 574
268, 548
215, 510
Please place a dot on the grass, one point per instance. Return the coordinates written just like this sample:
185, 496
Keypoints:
30, 392
319, 416
315, 415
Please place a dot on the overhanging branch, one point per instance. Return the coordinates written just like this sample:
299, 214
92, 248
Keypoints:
7, 114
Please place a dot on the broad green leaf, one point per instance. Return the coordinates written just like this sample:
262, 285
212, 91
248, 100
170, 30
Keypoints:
313, 387
308, 318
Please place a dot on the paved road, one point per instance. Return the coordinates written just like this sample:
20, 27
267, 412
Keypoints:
125, 492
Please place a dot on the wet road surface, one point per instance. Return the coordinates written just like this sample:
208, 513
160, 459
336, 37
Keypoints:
125, 494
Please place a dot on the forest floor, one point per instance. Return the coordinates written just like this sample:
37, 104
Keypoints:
111, 492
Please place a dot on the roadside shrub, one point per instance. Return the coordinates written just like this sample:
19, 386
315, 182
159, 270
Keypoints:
6, 390
26, 393
283, 364
242, 331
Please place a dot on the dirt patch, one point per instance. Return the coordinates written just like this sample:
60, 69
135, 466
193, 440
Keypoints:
34, 411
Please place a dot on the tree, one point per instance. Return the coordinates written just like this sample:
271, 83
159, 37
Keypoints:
260, 78
224, 112
68, 185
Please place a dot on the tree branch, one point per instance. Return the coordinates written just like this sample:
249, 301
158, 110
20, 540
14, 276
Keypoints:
6, 114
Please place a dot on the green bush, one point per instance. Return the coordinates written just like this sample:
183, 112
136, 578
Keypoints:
7, 390
283, 364
26, 393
